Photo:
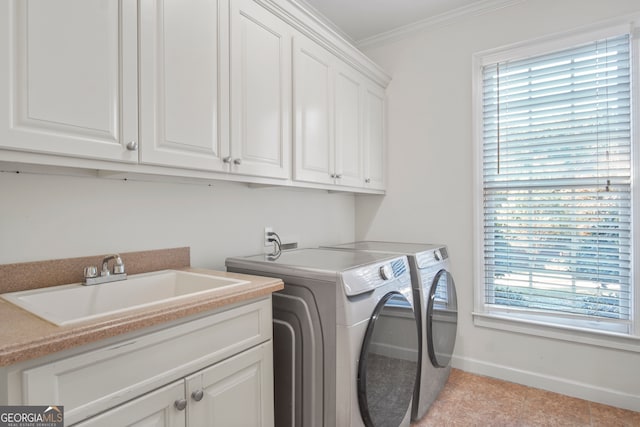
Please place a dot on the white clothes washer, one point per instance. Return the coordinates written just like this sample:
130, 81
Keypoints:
437, 312
345, 337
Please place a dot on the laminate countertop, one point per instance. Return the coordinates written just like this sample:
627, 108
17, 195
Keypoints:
25, 336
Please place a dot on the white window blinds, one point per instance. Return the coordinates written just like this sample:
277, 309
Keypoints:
557, 183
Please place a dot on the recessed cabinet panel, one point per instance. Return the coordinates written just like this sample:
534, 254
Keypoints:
312, 98
190, 98
375, 145
63, 67
348, 129
179, 45
260, 92
54, 95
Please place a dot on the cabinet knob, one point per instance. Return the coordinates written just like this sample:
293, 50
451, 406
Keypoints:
237, 161
333, 175
339, 175
227, 159
197, 395
368, 180
180, 404
132, 145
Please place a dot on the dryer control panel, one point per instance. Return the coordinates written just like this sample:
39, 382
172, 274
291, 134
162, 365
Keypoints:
428, 258
366, 279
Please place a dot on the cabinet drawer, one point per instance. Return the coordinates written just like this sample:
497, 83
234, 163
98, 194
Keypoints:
99, 379
153, 409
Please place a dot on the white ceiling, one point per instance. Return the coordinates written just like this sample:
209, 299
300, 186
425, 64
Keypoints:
361, 19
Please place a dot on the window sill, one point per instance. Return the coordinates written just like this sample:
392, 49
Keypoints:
564, 333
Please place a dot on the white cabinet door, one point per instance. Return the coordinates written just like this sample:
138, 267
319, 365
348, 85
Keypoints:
348, 127
237, 392
155, 409
329, 105
313, 100
68, 77
260, 49
180, 83
375, 138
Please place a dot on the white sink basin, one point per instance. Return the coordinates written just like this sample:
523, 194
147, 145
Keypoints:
68, 304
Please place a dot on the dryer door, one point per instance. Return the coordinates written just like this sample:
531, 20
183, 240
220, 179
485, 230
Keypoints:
442, 319
388, 362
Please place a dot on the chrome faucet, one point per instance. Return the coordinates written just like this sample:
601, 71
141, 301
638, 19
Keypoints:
91, 276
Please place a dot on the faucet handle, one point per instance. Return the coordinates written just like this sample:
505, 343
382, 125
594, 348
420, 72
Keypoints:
118, 268
90, 272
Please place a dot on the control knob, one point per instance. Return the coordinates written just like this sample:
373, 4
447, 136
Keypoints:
386, 272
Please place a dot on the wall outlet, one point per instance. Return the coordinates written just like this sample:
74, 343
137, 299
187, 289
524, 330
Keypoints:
265, 238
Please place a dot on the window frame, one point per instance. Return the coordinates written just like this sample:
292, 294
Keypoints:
535, 326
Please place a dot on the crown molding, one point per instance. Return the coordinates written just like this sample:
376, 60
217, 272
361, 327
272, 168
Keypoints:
477, 8
301, 16
322, 19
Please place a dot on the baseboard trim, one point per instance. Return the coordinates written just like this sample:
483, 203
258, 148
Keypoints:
564, 386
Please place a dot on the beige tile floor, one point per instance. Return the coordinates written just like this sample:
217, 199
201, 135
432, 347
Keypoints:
472, 400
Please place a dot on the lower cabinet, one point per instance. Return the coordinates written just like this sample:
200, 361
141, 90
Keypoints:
235, 392
215, 369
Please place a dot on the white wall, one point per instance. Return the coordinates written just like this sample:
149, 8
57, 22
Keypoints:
47, 217
430, 198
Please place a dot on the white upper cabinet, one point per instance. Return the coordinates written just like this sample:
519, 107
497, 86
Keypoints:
247, 90
348, 126
260, 109
180, 84
215, 91
331, 125
375, 137
68, 78
313, 98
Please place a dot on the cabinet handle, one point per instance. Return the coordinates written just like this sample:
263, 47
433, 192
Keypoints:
237, 161
227, 159
180, 404
197, 395
132, 145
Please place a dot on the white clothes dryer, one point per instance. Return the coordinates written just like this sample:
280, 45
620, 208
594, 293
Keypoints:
437, 312
345, 337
